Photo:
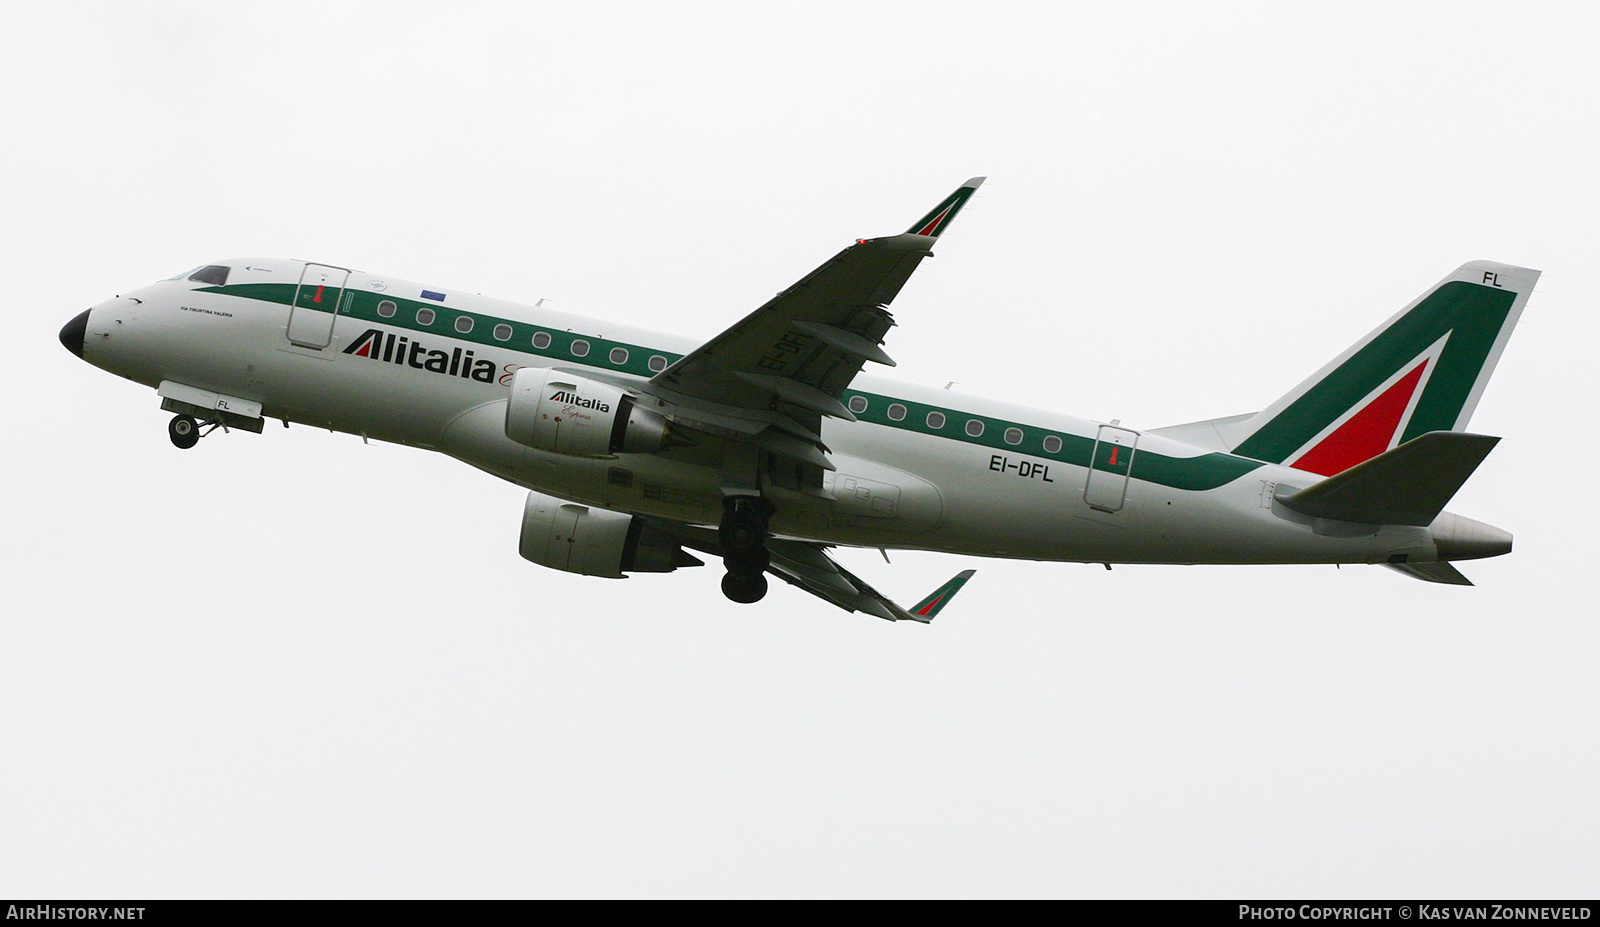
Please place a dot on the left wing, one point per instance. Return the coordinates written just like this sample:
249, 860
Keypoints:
1436, 572
807, 565
786, 365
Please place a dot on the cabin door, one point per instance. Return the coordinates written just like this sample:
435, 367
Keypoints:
316, 304
1109, 468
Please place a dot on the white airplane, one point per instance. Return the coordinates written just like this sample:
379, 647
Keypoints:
766, 446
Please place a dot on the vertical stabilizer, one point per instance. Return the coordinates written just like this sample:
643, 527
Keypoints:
1423, 370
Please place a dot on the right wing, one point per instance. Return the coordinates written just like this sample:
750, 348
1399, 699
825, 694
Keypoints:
773, 376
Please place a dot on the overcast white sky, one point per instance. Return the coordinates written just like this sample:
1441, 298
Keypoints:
294, 665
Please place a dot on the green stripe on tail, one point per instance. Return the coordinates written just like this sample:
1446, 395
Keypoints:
1421, 371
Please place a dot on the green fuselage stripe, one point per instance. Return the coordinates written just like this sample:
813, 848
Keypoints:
1207, 471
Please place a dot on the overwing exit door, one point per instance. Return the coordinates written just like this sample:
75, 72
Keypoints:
316, 305
1109, 468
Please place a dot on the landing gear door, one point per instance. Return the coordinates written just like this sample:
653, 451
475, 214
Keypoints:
1108, 471
316, 305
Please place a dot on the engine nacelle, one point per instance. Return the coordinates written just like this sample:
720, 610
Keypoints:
595, 542
561, 413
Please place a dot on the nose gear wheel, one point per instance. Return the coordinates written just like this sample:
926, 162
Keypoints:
184, 431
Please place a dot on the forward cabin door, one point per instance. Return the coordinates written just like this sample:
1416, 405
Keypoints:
1109, 468
316, 304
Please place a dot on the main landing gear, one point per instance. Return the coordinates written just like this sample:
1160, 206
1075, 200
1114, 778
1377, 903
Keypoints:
743, 534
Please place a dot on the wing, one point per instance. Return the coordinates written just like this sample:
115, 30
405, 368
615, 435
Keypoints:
774, 375
806, 564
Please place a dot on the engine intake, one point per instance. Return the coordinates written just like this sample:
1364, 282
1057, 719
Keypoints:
596, 542
562, 413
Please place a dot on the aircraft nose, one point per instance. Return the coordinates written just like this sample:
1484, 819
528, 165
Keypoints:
72, 333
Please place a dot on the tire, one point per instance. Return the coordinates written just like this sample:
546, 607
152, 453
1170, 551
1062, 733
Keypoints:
184, 431
744, 588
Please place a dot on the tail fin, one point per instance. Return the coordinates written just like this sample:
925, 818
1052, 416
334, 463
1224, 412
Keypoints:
1423, 370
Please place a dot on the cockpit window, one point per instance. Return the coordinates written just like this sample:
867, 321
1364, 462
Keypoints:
214, 274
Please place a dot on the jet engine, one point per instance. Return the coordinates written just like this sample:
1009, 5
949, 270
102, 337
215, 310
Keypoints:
596, 542
559, 412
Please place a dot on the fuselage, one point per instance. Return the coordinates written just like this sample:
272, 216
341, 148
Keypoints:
920, 468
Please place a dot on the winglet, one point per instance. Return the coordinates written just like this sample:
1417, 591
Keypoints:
925, 610
934, 223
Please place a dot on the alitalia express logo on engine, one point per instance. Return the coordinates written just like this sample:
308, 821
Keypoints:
402, 351
573, 399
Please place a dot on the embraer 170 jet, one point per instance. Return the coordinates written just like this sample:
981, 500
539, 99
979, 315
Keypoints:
766, 446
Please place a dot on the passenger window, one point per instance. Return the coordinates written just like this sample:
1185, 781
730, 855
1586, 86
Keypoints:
502, 332
1052, 444
935, 419
897, 412
658, 363
580, 348
214, 274
974, 427
387, 308
858, 404
619, 356
541, 340
464, 324
1013, 435
424, 316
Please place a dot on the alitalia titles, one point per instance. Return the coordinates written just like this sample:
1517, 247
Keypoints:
402, 351
573, 399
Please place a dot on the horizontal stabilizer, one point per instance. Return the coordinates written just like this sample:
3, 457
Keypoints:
1440, 572
1408, 485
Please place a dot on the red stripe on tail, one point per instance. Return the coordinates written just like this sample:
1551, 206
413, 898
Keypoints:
1367, 434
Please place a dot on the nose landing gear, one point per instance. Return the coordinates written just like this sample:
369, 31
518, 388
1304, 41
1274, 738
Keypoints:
743, 534
184, 431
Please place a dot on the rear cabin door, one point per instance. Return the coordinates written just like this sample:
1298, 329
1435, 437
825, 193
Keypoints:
1109, 468
316, 305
